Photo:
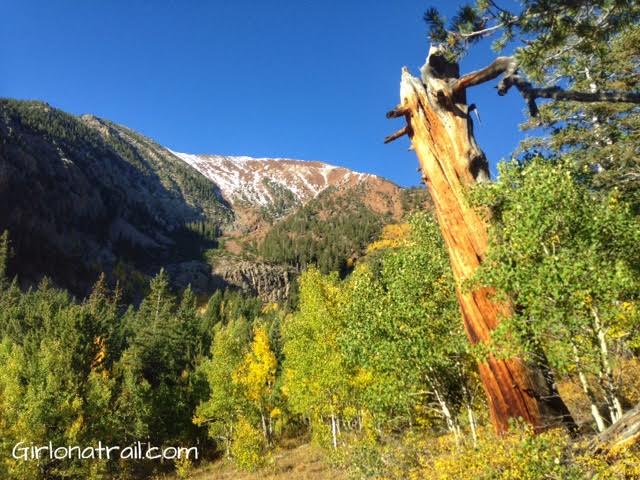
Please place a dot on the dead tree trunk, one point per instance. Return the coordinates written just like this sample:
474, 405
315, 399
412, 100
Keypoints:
441, 132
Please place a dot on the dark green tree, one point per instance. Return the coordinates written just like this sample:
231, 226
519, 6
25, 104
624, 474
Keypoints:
4, 258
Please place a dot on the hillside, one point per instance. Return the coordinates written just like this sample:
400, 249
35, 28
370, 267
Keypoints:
81, 195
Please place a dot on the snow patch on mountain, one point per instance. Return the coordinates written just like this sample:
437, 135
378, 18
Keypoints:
253, 180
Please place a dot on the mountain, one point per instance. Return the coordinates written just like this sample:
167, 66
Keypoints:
80, 195
276, 185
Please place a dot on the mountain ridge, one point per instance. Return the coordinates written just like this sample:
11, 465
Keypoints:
273, 184
82, 194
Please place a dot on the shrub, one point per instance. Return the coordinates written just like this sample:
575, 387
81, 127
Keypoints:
248, 447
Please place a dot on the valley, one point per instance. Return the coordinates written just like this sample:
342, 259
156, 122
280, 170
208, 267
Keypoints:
83, 195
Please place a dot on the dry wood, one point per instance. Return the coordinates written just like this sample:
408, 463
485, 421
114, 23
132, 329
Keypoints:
441, 133
501, 65
624, 433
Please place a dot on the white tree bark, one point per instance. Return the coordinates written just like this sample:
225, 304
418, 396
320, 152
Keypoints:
472, 425
468, 402
452, 425
609, 385
595, 411
334, 435
264, 426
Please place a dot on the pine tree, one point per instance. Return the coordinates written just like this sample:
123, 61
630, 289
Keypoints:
4, 258
590, 47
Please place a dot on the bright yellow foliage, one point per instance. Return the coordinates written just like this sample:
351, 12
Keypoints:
392, 236
517, 455
257, 372
270, 307
363, 378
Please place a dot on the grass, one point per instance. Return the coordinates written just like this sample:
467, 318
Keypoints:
304, 462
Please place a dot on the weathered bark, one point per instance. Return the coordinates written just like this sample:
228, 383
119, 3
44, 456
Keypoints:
441, 132
624, 433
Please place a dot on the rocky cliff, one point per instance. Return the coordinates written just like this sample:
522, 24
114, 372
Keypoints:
272, 283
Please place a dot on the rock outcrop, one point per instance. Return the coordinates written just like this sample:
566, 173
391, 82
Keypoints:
272, 283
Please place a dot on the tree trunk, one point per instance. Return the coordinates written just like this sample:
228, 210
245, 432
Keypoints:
472, 425
265, 433
452, 425
468, 403
334, 436
595, 411
608, 383
441, 132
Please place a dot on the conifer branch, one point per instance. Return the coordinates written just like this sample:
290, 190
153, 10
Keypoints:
481, 33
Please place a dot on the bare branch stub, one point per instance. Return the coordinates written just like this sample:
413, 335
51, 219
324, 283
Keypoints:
399, 111
406, 130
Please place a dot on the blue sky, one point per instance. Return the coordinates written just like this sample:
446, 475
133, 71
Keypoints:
284, 78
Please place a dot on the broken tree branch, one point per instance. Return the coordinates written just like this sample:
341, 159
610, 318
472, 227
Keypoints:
500, 65
531, 93
509, 67
399, 111
451, 162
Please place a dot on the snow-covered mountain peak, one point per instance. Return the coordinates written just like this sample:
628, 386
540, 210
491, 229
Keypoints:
265, 181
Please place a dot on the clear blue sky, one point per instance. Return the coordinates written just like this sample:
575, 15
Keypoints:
286, 78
